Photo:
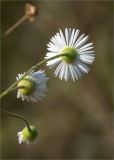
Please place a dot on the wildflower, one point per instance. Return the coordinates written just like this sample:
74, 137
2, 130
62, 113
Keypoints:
28, 135
32, 87
80, 54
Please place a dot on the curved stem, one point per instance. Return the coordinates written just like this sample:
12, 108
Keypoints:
32, 69
16, 116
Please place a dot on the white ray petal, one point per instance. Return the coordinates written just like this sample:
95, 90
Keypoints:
57, 71
75, 36
86, 52
53, 62
51, 45
66, 72
69, 35
62, 71
83, 68
86, 49
80, 43
78, 40
72, 36
66, 35
86, 45
72, 72
55, 41
58, 38
62, 37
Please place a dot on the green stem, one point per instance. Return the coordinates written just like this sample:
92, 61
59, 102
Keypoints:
16, 116
32, 69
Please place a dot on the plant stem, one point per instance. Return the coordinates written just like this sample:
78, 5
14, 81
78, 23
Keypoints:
18, 23
32, 69
16, 116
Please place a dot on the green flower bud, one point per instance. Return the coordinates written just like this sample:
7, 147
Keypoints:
28, 135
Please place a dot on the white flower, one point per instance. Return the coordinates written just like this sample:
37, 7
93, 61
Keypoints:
28, 135
32, 87
80, 54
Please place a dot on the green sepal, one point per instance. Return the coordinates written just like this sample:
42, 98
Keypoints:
71, 56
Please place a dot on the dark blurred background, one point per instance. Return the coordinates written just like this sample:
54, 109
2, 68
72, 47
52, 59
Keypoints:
74, 120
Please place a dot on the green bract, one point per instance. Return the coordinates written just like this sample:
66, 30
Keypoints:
29, 135
70, 58
26, 85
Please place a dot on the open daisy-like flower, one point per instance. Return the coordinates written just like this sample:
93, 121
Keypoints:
28, 135
32, 87
79, 54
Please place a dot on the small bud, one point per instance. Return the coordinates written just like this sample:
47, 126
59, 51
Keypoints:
30, 11
30, 14
28, 135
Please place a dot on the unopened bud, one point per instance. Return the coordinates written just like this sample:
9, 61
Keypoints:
30, 11
28, 135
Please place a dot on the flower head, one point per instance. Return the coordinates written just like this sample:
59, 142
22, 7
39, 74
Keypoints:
32, 87
79, 54
28, 135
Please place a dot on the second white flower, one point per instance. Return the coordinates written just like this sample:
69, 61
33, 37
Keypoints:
32, 87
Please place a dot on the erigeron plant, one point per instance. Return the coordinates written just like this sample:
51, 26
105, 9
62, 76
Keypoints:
70, 53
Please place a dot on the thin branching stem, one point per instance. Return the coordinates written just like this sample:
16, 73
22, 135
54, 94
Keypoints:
16, 116
18, 23
32, 69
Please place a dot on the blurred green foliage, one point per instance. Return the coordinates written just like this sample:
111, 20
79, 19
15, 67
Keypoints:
75, 120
